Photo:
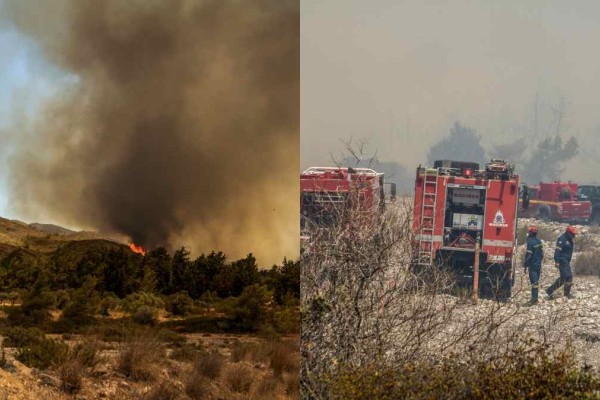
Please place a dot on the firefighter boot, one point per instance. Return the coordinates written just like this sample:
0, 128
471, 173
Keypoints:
568, 286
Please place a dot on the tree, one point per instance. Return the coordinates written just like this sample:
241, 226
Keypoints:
205, 269
122, 272
159, 261
181, 271
462, 144
83, 305
285, 281
35, 304
547, 160
513, 152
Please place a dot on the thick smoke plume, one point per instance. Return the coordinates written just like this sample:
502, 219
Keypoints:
181, 125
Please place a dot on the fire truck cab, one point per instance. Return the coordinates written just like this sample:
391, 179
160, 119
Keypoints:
556, 201
459, 211
324, 191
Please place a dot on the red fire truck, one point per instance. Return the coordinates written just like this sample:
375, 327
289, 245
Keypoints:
326, 191
556, 201
461, 211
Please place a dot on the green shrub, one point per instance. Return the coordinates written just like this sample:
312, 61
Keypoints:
145, 315
61, 299
247, 311
522, 373
180, 303
287, 320
18, 336
35, 306
171, 337
136, 300
109, 302
42, 353
80, 310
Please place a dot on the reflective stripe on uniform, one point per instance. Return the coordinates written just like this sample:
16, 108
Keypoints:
529, 251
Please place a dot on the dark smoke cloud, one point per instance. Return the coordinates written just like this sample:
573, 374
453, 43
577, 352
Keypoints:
181, 127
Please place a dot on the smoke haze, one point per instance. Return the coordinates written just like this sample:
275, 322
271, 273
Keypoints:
180, 125
400, 73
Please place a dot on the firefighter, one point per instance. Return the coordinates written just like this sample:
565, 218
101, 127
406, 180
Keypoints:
562, 260
533, 262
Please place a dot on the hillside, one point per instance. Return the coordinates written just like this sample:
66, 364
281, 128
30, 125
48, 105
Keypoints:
39, 238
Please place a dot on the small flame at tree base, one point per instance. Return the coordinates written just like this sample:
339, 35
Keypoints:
137, 249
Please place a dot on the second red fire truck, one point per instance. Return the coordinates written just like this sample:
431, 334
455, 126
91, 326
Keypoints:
556, 201
326, 191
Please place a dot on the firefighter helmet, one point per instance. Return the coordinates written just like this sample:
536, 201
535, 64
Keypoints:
532, 229
572, 230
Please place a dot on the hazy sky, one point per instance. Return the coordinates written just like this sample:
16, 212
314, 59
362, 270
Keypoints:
399, 73
26, 80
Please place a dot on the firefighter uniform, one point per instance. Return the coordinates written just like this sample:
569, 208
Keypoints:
562, 256
533, 262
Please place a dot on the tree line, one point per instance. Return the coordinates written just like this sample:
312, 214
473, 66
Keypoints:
121, 272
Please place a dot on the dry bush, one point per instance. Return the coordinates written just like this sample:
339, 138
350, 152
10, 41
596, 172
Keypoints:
266, 388
239, 378
292, 385
87, 353
208, 365
187, 352
197, 387
544, 233
588, 263
164, 390
283, 358
72, 367
70, 375
247, 351
365, 304
140, 356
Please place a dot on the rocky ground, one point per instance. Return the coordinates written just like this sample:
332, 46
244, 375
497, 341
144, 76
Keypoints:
104, 381
559, 319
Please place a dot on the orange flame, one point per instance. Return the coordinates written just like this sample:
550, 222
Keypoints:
137, 249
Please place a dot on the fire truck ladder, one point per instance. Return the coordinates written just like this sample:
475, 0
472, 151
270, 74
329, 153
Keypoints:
428, 211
